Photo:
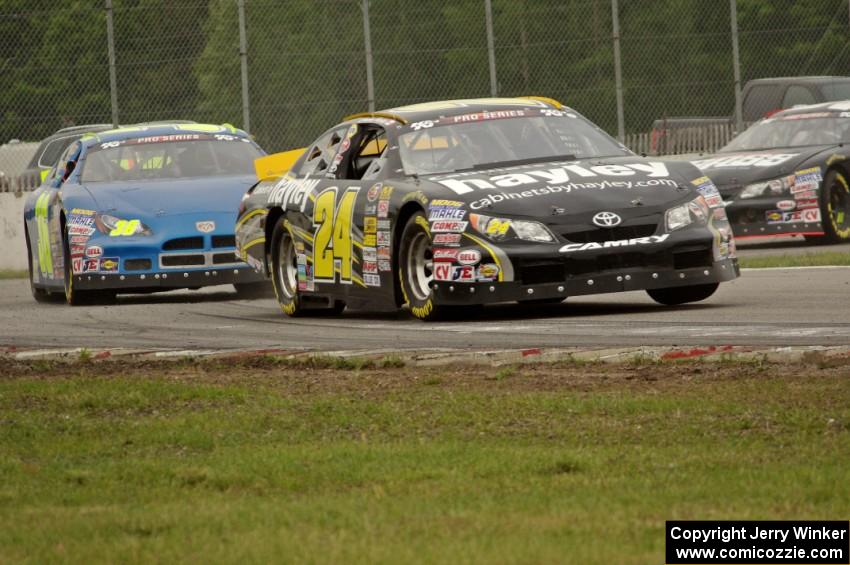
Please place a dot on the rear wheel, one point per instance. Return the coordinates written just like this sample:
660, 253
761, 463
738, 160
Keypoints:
682, 294
835, 207
39, 294
416, 268
284, 271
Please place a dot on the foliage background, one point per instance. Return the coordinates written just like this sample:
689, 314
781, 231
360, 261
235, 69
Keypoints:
307, 62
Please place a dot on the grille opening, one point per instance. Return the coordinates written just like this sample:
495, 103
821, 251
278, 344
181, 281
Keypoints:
224, 241
617, 262
184, 243
223, 258
541, 273
182, 260
611, 234
137, 264
693, 258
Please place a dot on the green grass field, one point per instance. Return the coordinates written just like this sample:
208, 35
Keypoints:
114, 462
822, 259
9, 274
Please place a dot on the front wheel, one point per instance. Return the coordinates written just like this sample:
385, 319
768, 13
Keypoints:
835, 208
76, 297
416, 268
682, 294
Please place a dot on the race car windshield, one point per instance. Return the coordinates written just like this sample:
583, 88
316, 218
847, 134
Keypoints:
135, 161
792, 131
473, 142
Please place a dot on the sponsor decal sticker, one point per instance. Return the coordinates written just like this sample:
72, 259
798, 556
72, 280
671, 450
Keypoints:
386, 192
383, 224
786, 205
372, 280
488, 272
383, 254
370, 224
369, 254
720, 214
446, 203
369, 240
77, 250
442, 271
383, 208
446, 213
807, 179
448, 226
384, 265
77, 265
370, 267
445, 254
447, 239
469, 257
590, 246
374, 192
109, 264
810, 203
384, 239
714, 201
94, 251
370, 210
811, 215
91, 265
80, 230
745, 160
82, 212
807, 195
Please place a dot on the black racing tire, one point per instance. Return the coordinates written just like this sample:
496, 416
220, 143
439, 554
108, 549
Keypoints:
254, 290
284, 275
682, 294
284, 269
76, 297
40, 295
835, 207
415, 269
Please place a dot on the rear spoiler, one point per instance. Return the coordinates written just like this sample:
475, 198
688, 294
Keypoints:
276, 164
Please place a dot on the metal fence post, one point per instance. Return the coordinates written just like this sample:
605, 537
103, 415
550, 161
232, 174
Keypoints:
618, 71
243, 56
367, 41
113, 79
736, 66
491, 50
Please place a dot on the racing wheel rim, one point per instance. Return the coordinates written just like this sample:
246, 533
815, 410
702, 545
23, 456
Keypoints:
287, 266
420, 266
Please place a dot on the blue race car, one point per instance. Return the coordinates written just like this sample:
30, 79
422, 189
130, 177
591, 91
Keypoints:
141, 209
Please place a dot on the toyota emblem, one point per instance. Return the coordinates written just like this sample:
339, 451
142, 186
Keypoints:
607, 219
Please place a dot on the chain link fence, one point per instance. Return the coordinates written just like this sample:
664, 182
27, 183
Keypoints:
288, 69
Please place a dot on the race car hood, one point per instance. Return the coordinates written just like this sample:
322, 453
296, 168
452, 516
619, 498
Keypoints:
170, 197
733, 171
571, 187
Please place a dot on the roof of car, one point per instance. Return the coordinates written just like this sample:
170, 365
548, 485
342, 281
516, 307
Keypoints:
158, 129
805, 79
430, 110
834, 107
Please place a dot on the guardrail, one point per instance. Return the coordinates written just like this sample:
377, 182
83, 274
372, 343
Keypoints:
707, 138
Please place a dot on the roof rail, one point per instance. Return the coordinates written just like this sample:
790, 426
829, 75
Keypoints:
547, 100
387, 115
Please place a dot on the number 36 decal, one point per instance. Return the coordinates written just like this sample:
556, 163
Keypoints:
332, 242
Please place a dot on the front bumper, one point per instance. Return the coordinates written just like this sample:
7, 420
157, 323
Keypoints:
759, 217
171, 280
577, 285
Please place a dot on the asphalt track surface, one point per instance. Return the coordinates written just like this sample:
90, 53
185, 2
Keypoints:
765, 307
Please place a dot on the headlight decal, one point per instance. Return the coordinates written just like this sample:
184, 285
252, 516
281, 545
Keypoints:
498, 229
694, 212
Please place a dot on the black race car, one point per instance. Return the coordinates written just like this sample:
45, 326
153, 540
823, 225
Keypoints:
469, 202
788, 174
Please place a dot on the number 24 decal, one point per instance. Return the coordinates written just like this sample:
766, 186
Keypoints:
332, 242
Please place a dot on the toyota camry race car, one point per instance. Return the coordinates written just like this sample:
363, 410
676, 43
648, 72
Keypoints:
788, 174
141, 209
480, 201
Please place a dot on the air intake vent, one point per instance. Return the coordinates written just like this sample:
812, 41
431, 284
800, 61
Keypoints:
182, 260
611, 234
225, 258
184, 243
137, 264
224, 241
